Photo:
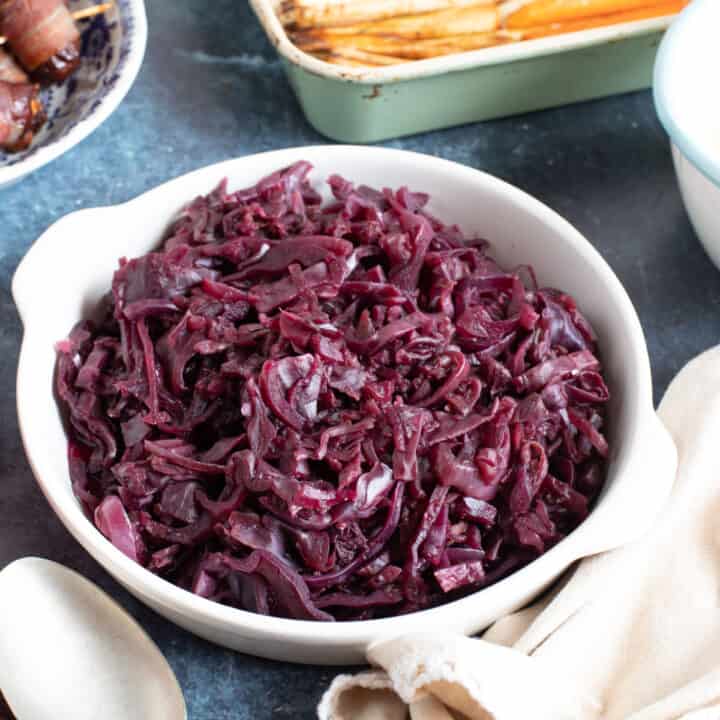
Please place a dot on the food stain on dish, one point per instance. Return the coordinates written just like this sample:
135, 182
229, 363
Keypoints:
335, 411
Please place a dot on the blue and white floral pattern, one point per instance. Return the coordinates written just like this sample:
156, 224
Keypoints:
107, 44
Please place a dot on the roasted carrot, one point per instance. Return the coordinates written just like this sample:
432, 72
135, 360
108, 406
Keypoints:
350, 62
456, 21
667, 7
408, 49
387, 32
325, 13
357, 58
547, 12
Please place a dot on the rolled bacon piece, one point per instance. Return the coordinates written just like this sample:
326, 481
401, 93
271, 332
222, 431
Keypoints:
21, 115
43, 36
10, 71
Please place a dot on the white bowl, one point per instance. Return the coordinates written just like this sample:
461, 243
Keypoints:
112, 50
688, 104
69, 268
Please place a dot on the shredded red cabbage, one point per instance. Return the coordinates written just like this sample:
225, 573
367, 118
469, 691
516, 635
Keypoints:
330, 412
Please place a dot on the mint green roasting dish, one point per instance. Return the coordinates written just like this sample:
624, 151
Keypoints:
361, 106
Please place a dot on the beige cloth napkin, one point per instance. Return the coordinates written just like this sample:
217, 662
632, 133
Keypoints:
633, 634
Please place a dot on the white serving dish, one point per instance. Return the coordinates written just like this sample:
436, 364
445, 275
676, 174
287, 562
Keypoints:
688, 104
69, 268
112, 50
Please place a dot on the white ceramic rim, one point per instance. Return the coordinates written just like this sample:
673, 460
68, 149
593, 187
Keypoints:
587, 539
682, 34
459, 61
48, 153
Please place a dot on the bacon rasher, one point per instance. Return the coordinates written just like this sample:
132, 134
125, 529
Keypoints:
21, 115
43, 36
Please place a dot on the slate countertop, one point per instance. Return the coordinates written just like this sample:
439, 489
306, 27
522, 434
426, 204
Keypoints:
212, 88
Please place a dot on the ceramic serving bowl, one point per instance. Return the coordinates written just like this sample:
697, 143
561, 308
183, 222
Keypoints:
112, 49
69, 268
688, 104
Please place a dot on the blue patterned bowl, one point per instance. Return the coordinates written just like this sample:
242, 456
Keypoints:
113, 46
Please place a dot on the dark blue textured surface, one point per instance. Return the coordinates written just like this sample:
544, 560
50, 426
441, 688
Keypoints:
211, 88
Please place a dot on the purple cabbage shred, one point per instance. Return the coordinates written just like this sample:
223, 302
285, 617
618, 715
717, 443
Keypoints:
333, 411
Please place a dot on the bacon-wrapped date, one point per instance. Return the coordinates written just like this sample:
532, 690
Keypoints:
10, 71
21, 115
43, 36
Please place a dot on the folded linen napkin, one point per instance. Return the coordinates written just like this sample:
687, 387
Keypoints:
632, 634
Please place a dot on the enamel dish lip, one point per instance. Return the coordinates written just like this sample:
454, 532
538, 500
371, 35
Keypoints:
518, 226
498, 55
683, 81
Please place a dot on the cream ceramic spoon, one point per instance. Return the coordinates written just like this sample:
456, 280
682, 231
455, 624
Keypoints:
68, 652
